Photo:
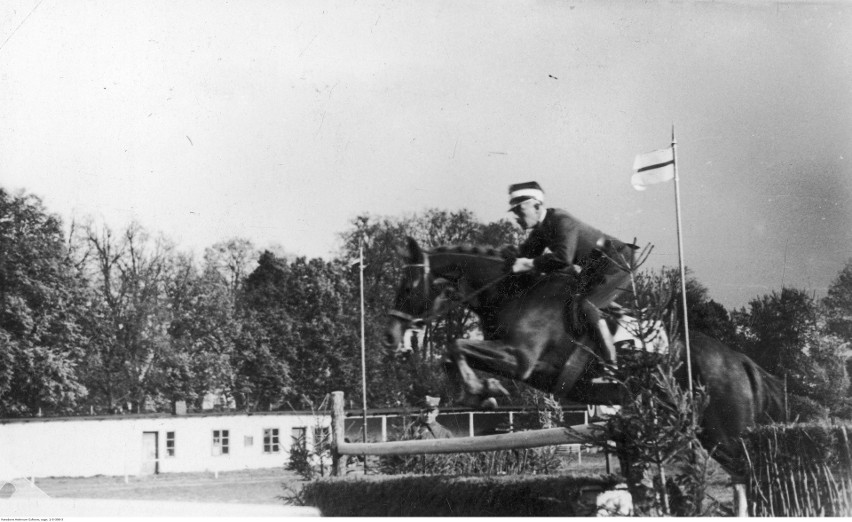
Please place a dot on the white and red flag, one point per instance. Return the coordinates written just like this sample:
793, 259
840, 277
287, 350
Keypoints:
652, 167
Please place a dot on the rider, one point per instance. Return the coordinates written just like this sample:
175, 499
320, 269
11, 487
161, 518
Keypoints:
571, 242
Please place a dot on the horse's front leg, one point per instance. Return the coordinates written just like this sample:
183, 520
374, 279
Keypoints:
460, 376
476, 392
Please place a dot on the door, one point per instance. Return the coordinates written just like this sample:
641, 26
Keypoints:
149, 453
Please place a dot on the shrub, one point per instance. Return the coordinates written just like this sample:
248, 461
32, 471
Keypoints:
303, 460
504, 462
656, 434
843, 409
805, 409
311, 461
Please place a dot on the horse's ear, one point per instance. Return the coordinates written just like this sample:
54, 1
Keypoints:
411, 251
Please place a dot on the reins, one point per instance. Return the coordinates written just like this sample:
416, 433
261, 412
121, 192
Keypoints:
454, 303
485, 287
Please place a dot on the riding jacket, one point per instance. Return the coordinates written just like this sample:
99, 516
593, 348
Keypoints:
572, 242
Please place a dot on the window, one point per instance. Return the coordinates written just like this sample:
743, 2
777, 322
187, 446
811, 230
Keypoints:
270, 440
299, 436
170, 444
220, 442
248, 441
322, 438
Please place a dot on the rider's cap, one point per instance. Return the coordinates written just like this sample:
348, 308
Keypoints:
520, 192
431, 403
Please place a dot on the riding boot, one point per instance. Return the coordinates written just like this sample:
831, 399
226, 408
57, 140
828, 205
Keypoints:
606, 341
601, 333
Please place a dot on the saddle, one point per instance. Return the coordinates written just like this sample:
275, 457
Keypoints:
628, 334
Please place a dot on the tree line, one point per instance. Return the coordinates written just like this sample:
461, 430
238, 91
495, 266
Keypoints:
101, 320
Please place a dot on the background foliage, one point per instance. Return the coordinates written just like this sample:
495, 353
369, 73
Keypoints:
97, 320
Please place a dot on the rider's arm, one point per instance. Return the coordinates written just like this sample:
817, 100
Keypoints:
531, 248
563, 247
560, 237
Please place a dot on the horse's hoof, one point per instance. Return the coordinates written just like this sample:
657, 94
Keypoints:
495, 389
488, 404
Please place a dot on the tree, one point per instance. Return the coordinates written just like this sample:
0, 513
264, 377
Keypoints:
130, 316
203, 330
229, 262
262, 376
836, 307
783, 333
42, 298
777, 328
206, 325
703, 313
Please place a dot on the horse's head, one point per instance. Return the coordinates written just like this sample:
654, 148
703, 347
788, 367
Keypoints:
432, 281
420, 296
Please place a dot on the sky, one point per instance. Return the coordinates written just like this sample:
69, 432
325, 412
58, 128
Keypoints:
281, 122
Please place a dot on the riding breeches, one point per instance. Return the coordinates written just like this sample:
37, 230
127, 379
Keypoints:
602, 285
602, 282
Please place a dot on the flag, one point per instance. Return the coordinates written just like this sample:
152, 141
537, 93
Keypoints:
652, 167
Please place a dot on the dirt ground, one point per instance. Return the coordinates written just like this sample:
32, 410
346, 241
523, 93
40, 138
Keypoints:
257, 486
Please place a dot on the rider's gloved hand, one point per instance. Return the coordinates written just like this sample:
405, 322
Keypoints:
522, 264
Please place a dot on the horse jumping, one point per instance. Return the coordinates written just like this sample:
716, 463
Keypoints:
525, 322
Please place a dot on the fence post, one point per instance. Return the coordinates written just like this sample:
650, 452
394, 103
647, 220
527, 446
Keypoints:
337, 432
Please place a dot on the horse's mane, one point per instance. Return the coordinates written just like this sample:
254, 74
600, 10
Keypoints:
470, 250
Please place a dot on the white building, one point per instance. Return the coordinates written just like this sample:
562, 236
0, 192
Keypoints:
155, 443
140, 444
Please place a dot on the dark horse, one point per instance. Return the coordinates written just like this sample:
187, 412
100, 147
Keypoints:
528, 337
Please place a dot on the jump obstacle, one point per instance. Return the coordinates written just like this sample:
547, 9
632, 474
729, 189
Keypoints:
524, 439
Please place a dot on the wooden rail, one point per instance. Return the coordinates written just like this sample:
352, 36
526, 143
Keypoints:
522, 439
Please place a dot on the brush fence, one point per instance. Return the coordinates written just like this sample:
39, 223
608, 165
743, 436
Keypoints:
503, 441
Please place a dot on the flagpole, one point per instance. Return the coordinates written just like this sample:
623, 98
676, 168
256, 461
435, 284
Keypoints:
680, 259
363, 342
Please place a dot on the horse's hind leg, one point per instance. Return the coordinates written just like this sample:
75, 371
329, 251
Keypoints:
740, 500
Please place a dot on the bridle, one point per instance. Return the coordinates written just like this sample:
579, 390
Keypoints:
427, 274
433, 312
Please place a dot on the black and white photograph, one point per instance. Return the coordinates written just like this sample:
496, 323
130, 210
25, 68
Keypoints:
405, 258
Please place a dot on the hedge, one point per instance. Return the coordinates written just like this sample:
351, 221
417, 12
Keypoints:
440, 495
